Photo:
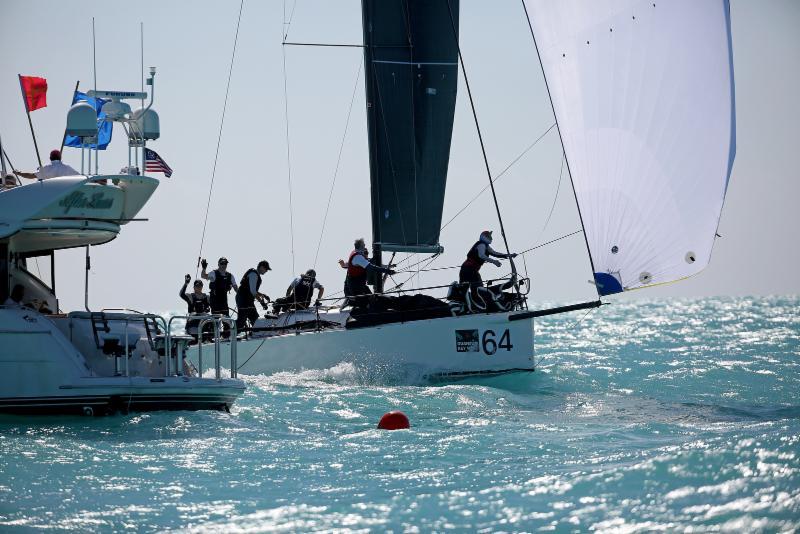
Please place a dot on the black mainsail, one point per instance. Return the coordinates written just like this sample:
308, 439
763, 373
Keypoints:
411, 66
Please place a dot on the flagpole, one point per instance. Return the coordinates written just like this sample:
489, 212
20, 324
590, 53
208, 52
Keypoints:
64, 139
30, 122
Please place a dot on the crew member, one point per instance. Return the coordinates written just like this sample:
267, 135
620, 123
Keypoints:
300, 292
197, 303
247, 294
479, 254
357, 266
53, 170
220, 282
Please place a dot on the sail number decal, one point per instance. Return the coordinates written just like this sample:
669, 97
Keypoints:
488, 343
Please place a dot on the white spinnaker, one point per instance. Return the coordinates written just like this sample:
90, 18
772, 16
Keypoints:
644, 99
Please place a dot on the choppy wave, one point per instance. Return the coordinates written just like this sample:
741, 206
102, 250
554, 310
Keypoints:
663, 415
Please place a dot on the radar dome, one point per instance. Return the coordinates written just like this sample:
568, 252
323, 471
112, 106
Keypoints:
82, 120
147, 122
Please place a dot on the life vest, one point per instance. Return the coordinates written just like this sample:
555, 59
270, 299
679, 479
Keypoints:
244, 294
199, 304
218, 290
304, 290
355, 272
473, 260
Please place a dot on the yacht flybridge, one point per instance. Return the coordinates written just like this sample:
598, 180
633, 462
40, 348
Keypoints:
89, 361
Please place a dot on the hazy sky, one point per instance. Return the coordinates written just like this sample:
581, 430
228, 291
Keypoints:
191, 42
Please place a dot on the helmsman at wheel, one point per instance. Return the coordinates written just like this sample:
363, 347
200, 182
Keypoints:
479, 254
358, 266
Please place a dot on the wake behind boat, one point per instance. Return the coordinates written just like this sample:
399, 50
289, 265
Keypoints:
644, 107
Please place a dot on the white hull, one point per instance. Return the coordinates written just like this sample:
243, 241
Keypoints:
489, 344
51, 365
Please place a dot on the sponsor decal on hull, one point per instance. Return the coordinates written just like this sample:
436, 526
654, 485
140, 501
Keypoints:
467, 341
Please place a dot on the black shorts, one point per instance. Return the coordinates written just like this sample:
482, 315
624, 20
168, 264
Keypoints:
470, 275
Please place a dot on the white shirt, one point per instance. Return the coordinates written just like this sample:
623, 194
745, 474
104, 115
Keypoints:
360, 261
317, 285
213, 275
54, 170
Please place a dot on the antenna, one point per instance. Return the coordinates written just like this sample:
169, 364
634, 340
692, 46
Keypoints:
97, 139
141, 56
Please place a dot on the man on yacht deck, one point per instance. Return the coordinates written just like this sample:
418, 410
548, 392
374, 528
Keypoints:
53, 170
300, 293
479, 254
248, 293
357, 266
220, 282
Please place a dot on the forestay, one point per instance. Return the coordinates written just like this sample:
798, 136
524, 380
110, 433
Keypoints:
410, 65
644, 100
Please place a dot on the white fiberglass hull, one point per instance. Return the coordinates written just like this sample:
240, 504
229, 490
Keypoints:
42, 371
446, 347
103, 395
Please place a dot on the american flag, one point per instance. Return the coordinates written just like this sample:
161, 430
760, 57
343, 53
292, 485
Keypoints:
154, 163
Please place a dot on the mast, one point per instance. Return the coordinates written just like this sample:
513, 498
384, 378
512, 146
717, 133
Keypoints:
371, 139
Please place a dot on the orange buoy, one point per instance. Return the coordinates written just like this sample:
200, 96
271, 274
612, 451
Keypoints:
394, 420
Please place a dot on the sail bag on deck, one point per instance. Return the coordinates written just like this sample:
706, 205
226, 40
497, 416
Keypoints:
643, 96
411, 62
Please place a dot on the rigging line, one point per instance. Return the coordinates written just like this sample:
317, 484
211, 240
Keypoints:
579, 321
219, 139
566, 160
338, 161
287, 25
558, 188
401, 284
552, 241
408, 268
480, 137
423, 260
500, 175
513, 162
288, 156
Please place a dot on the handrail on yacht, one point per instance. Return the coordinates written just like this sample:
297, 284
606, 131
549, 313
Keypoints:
217, 321
128, 317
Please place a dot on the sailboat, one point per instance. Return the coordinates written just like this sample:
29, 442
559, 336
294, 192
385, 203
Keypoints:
643, 99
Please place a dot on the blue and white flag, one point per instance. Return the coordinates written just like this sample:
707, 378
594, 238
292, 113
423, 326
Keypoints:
104, 128
154, 163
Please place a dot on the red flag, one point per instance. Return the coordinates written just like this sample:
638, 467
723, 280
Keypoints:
34, 92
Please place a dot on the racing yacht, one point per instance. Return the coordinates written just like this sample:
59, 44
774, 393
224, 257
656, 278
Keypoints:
642, 95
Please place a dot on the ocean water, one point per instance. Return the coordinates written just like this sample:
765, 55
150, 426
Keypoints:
661, 415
